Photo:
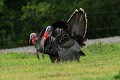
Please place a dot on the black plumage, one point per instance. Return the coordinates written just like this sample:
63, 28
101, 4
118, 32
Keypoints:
65, 38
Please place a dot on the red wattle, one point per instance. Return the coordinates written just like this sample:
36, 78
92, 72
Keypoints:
33, 40
45, 35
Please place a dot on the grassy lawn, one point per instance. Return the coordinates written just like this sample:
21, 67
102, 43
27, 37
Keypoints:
102, 62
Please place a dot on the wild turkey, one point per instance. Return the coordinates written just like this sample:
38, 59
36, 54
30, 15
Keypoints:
62, 40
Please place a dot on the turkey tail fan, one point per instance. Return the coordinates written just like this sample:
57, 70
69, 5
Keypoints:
77, 25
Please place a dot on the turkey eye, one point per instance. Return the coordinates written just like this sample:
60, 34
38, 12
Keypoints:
48, 29
31, 36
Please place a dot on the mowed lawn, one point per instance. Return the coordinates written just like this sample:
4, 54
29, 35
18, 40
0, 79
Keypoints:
102, 62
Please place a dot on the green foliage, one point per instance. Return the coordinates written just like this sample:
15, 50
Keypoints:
102, 62
20, 18
103, 18
1, 5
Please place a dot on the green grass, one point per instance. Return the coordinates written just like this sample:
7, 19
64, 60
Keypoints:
102, 62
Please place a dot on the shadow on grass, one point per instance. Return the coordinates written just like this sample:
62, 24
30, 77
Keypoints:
117, 76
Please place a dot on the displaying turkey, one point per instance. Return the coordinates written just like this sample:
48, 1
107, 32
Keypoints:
62, 41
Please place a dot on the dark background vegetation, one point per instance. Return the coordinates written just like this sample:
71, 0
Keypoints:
19, 18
